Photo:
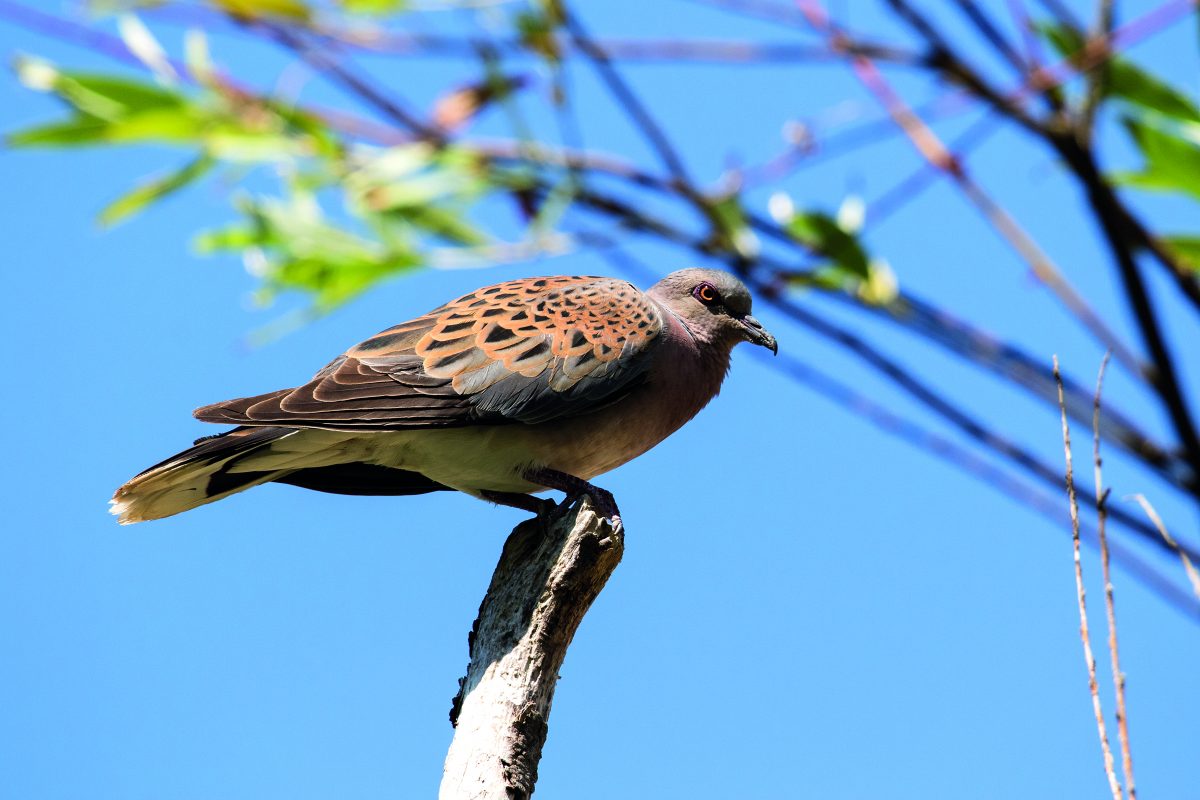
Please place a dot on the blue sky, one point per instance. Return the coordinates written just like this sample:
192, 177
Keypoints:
805, 607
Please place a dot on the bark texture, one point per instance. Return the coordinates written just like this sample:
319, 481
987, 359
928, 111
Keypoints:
548, 576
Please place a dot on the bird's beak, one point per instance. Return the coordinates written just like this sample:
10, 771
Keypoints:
757, 334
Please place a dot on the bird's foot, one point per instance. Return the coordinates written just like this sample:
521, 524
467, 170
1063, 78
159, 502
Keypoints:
574, 489
540, 506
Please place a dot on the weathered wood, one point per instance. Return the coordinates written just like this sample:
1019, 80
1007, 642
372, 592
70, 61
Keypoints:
547, 578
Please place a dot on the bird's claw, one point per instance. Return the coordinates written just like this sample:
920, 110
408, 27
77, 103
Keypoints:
602, 501
575, 489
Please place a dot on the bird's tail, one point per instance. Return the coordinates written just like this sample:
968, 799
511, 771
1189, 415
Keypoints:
201, 474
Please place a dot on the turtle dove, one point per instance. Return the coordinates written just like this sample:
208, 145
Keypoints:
527, 385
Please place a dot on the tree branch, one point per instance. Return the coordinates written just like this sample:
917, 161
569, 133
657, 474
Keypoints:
1122, 239
630, 104
548, 576
413, 44
991, 32
931, 148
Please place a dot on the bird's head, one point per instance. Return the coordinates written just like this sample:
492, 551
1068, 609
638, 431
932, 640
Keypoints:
714, 305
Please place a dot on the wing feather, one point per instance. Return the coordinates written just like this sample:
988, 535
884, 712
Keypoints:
524, 351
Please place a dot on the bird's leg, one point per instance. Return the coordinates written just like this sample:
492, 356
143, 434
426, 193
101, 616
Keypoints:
540, 506
575, 488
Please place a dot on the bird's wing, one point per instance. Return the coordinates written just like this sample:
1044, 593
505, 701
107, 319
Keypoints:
526, 351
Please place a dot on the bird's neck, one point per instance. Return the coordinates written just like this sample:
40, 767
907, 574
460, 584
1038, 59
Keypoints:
691, 367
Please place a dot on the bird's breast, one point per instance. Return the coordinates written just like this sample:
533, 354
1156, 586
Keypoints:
496, 457
678, 387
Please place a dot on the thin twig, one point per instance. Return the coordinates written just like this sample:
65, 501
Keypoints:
1188, 566
931, 148
991, 32
326, 64
1089, 659
1046, 81
1029, 38
808, 146
629, 101
1061, 12
1102, 48
411, 44
1122, 241
1097, 76
905, 191
1122, 231
1110, 613
983, 350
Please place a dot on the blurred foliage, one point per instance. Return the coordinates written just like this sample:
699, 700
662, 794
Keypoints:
348, 215
395, 202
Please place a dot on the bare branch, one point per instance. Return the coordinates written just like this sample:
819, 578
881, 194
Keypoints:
546, 580
907, 190
1089, 659
1103, 48
1029, 39
1020, 368
1097, 76
1061, 12
1122, 239
940, 158
629, 103
1188, 566
411, 44
326, 64
1110, 613
991, 33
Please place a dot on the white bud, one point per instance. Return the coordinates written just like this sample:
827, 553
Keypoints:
781, 208
37, 74
852, 214
255, 261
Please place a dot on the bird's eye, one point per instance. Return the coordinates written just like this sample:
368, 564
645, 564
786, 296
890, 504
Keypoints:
706, 293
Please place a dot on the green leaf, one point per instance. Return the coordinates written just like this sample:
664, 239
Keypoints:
729, 225
1141, 88
292, 247
374, 7
287, 9
231, 144
174, 125
132, 95
1186, 249
79, 131
1172, 161
115, 110
153, 190
537, 32
103, 96
223, 240
416, 191
1066, 40
820, 233
313, 130
444, 223
1126, 80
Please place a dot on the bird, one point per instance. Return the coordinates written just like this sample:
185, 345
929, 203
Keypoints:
514, 389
